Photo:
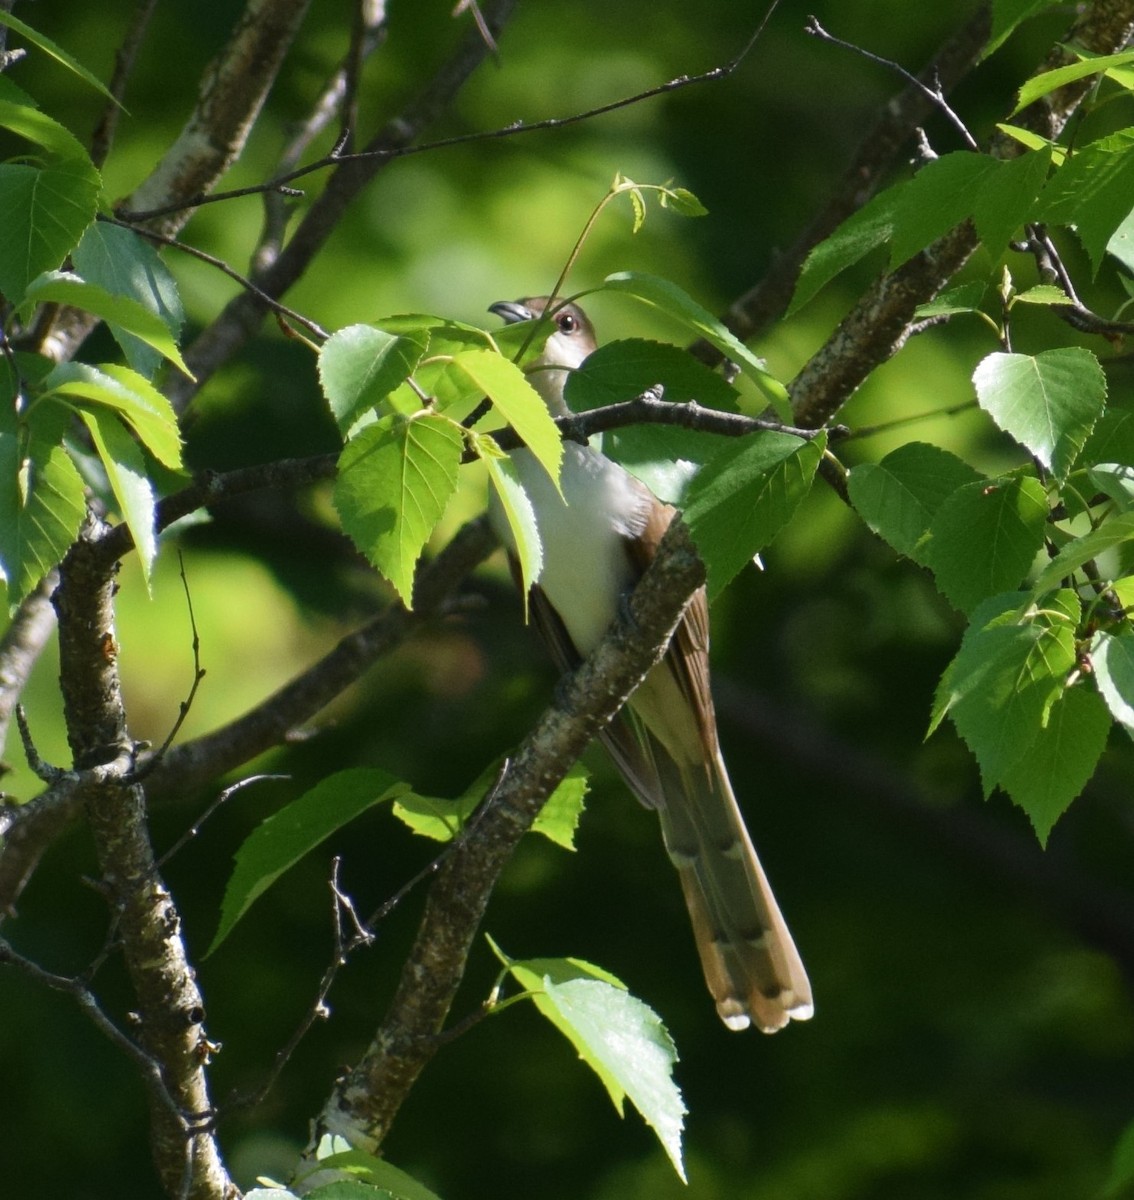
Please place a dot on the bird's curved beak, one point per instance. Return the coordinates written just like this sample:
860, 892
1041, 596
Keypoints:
512, 311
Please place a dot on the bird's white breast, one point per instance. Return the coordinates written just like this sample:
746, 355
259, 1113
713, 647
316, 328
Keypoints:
585, 565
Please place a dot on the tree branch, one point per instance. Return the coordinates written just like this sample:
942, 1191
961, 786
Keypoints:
233, 89
767, 301
365, 1102
880, 323
168, 1002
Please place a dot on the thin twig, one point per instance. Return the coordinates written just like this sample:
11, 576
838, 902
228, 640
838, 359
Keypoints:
933, 94
103, 137
337, 159
165, 240
213, 807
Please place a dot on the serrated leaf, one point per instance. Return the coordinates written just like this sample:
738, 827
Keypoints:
509, 495
126, 473
375, 1171
1049, 402
1007, 15
41, 507
1043, 293
938, 198
1121, 243
1051, 81
559, 818
1110, 533
1092, 191
1003, 683
984, 538
56, 52
394, 480
43, 213
20, 115
1061, 760
965, 298
1006, 197
664, 457
744, 497
1111, 440
1112, 657
140, 404
682, 201
851, 242
898, 497
281, 840
618, 1036
359, 366
123, 312
513, 396
125, 264
661, 293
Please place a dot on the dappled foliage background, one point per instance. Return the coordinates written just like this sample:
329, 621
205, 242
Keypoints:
974, 1033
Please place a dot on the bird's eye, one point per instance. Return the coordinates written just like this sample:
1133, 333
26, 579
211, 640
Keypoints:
567, 322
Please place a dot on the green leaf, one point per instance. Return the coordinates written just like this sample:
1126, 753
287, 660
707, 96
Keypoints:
661, 293
375, 1171
20, 115
1121, 242
280, 841
1049, 402
1112, 657
1111, 533
559, 818
851, 242
682, 201
1112, 440
1092, 191
125, 264
1051, 81
1007, 15
140, 404
513, 396
1006, 197
1043, 293
43, 213
1061, 760
664, 457
41, 505
744, 497
984, 538
55, 51
621, 1039
126, 472
999, 689
898, 497
1121, 1174
395, 479
123, 312
938, 198
965, 298
508, 492
359, 366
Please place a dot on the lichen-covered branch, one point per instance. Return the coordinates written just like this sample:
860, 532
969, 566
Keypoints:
169, 1006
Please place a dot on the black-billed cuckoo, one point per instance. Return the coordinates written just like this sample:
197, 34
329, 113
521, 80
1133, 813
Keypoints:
598, 538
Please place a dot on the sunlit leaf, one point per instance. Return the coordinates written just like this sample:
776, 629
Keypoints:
984, 538
394, 480
744, 497
1049, 402
359, 366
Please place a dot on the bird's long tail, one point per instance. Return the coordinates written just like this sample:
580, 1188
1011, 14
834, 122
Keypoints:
750, 962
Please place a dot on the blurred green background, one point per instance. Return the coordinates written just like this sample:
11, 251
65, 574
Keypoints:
974, 1033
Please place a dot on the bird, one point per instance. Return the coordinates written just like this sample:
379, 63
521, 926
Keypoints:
599, 532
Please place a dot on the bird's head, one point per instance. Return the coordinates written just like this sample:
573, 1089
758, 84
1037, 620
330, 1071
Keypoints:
569, 343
